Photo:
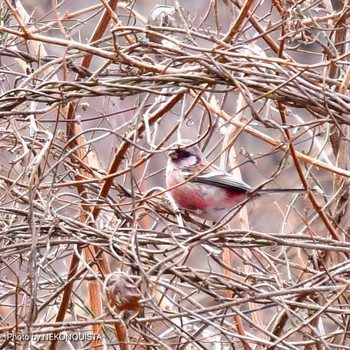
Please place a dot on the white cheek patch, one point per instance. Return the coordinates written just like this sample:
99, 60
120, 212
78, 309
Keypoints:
186, 162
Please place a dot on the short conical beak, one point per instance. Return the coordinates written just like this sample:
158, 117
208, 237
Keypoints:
173, 155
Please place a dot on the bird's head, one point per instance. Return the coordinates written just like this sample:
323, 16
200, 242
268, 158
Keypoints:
184, 156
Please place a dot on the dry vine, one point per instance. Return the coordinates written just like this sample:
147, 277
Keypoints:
93, 252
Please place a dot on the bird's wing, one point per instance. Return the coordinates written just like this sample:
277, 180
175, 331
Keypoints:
222, 180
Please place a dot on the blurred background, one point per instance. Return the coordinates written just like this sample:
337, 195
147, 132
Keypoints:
93, 95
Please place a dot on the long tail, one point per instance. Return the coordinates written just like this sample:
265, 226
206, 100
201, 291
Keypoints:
293, 190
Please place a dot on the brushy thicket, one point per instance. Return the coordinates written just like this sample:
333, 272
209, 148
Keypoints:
93, 252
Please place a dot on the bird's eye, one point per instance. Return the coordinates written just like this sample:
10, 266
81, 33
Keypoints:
186, 154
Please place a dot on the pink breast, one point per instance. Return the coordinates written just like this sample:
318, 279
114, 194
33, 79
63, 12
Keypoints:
190, 199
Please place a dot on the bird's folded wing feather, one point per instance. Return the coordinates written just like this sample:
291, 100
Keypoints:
222, 180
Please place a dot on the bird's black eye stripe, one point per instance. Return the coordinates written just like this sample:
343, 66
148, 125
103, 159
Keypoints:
185, 154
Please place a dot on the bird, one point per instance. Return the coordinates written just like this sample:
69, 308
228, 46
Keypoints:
202, 189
